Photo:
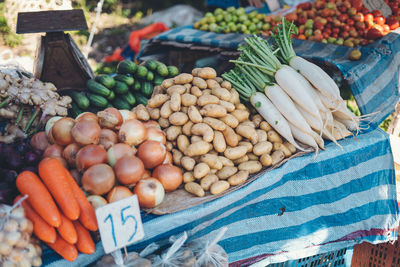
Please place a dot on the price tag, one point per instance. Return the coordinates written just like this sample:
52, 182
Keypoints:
120, 223
377, 5
273, 5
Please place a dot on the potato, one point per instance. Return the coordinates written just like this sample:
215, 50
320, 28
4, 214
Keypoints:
251, 166
248, 123
206, 92
154, 113
221, 93
247, 144
233, 153
197, 149
167, 83
263, 147
169, 146
218, 80
266, 160
219, 187
238, 178
180, 89
184, 110
142, 113
207, 99
213, 152
164, 123
187, 86
194, 114
188, 177
166, 110
215, 123
235, 99
207, 73
157, 90
226, 85
187, 163
225, 161
240, 106
213, 110
201, 170
277, 157
186, 129
173, 132
239, 137
291, 147
212, 84
207, 181
195, 71
176, 157
247, 132
188, 100
241, 115
178, 118
274, 137
265, 126
226, 172
257, 119
240, 160
203, 130
227, 105
251, 156
157, 101
230, 136
262, 135
196, 91
182, 142
183, 78
219, 142
230, 120
212, 161
199, 82
175, 102
284, 149
195, 189
195, 138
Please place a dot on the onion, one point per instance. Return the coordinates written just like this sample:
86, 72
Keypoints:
117, 193
169, 176
156, 134
168, 158
87, 116
53, 151
61, 131
150, 192
86, 132
150, 124
129, 170
50, 137
132, 132
70, 152
96, 201
77, 176
152, 153
110, 118
146, 174
39, 141
90, 155
98, 179
50, 123
108, 138
127, 115
117, 151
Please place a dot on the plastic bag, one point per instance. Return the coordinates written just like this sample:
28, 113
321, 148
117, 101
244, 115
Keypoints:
131, 260
208, 252
178, 15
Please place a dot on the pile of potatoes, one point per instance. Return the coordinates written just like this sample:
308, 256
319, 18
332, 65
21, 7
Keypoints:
211, 135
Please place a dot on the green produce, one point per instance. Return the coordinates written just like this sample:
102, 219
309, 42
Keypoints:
172, 71
121, 103
136, 86
75, 111
80, 99
111, 96
109, 105
128, 80
150, 76
97, 88
151, 64
121, 88
105, 80
127, 67
97, 100
158, 80
147, 89
142, 72
141, 99
162, 69
130, 98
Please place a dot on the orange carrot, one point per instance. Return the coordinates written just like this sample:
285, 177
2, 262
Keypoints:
41, 228
28, 183
67, 230
87, 216
64, 249
85, 242
53, 175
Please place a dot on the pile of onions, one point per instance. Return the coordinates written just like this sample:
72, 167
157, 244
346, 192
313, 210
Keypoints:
110, 118
90, 155
107, 138
127, 115
87, 116
156, 134
129, 170
53, 151
39, 141
98, 179
150, 192
86, 132
132, 132
117, 193
118, 151
69, 153
61, 131
50, 123
169, 176
152, 153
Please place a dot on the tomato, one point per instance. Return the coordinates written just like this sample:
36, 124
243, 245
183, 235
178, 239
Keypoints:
380, 20
375, 32
360, 25
345, 34
355, 54
377, 13
343, 17
386, 29
352, 11
357, 4
392, 22
346, 28
350, 22
358, 17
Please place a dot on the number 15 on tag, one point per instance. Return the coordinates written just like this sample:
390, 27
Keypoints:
120, 223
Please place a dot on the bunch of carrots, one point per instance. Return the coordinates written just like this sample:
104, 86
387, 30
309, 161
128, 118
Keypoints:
62, 216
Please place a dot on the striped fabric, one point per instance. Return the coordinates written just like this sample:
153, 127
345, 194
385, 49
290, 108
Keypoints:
332, 201
374, 79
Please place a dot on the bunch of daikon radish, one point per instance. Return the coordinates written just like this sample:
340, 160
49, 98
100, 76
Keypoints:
298, 99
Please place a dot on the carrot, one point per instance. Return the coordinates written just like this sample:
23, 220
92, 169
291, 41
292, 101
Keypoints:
87, 216
28, 183
85, 242
41, 228
64, 249
53, 175
67, 230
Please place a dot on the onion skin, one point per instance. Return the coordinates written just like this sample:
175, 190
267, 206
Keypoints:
90, 155
70, 152
150, 192
152, 153
87, 116
146, 174
117, 193
129, 170
76, 175
39, 141
96, 201
156, 134
118, 151
168, 158
50, 123
110, 118
108, 138
53, 151
50, 137
150, 124
132, 132
170, 176
86, 132
98, 179
127, 115
61, 131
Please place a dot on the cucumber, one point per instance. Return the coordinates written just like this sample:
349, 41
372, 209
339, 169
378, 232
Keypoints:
109, 105
120, 88
126, 67
158, 80
142, 72
97, 88
136, 86
97, 100
120, 103
151, 64
80, 99
150, 76
128, 80
141, 99
75, 111
130, 98
111, 96
162, 69
172, 71
105, 80
147, 89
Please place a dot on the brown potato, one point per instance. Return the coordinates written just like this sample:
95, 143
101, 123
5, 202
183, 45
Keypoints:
245, 158
247, 132
247, 144
265, 126
263, 147
266, 160
158, 89
221, 93
215, 123
196, 91
235, 99
241, 115
195, 189
182, 142
199, 82
257, 119
212, 84
225, 161
219, 187
262, 135
219, 79
207, 181
178, 118
212, 161
195, 71
201, 170
274, 137
238, 178
195, 138
226, 85
154, 113
188, 100
186, 129
207, 73
213, 110
176, 157
167, 83
183, 78
226, 172
187, 86
206, 92
175, 102
291, 147
142, 113
230, 120
233, 153
227, 105
219, 142
230, 136
251, 156
157, 101
166, 110
240, 106
164, 123
204, 130
187, 163
277, 157
188, 177
169, 146
180, 89
251, 166
197, 149
194, 114
207, 99
173, 132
